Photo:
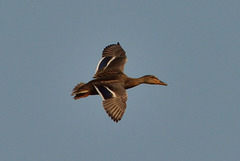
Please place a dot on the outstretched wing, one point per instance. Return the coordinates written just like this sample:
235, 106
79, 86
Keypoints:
114, 99
112, 62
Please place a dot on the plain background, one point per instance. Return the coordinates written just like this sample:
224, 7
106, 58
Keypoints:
47, 47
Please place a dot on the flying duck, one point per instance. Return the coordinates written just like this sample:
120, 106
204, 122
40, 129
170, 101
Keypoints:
111, 83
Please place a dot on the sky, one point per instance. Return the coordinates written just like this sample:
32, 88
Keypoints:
47, 47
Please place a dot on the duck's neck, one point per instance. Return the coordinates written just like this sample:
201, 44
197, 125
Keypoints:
132, 82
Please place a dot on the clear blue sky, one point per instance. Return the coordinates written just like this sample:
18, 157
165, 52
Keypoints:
47, 47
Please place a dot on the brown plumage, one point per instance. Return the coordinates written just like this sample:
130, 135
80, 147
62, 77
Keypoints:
111, 83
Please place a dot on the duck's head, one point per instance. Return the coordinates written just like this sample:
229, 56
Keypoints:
151, 79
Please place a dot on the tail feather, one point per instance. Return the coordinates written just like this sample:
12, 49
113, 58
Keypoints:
80, 95
79, 91
76, 89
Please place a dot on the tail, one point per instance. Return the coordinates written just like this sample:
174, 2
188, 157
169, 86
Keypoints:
79, 91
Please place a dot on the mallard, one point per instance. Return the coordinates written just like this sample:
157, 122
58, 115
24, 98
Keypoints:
111, 83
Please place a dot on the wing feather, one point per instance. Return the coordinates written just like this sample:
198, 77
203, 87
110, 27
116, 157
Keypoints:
114, 99
113, 50
112, 62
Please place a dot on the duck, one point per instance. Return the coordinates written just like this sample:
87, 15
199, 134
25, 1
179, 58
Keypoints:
110, 82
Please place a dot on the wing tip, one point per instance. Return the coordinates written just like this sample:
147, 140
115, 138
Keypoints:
116, 115
111, 45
